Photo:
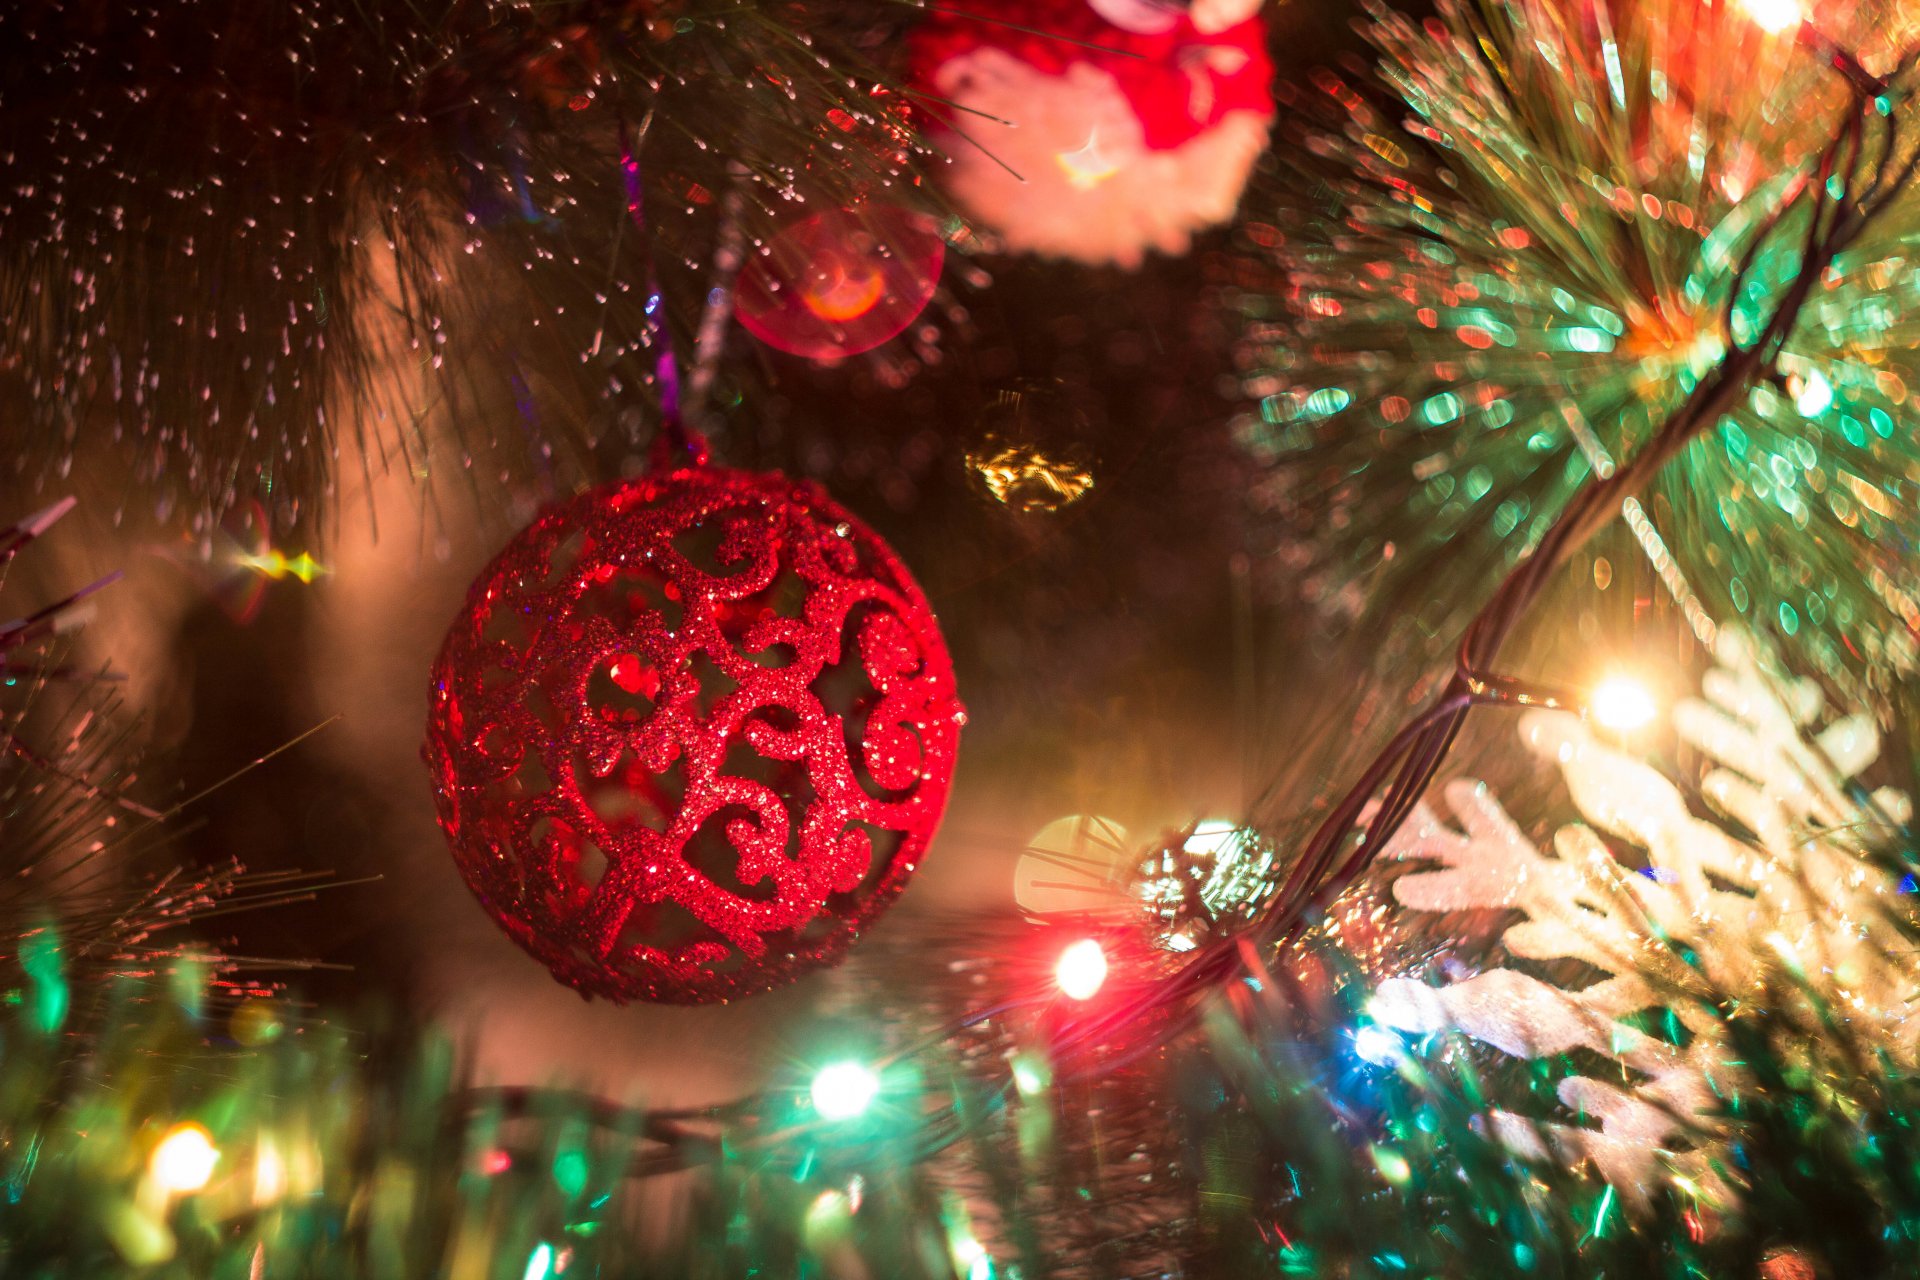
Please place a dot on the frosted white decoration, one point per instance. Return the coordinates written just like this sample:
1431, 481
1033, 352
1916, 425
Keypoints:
1797, 891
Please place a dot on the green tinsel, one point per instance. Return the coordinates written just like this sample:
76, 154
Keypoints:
346, 1153
1508, 272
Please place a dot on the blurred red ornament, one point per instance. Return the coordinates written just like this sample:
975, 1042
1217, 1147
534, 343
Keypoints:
690, 733
841, 282
1097, 129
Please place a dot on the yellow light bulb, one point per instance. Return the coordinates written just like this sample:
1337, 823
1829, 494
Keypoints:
184, 1160
1622, 704
269, 1173
1775, 16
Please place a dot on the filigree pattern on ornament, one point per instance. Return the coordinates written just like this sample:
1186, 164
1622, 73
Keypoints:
721, 652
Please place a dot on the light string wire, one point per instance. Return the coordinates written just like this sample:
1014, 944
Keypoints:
1330, 861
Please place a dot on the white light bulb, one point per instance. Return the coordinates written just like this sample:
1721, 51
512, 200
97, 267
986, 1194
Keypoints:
1378, 1046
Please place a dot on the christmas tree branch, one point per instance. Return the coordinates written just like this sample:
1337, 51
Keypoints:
1834, 223
278, 232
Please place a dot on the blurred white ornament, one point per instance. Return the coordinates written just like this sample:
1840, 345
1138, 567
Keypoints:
1077, 865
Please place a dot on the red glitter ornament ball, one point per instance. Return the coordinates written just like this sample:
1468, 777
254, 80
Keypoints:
690, 733
841, 282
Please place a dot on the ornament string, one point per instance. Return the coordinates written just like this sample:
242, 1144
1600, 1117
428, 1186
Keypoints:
677, 444
728, 256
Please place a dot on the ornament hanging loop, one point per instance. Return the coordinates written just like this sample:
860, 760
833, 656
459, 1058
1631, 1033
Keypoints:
679, 444
729, 253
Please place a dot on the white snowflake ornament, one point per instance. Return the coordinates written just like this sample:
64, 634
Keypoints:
1777, 875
